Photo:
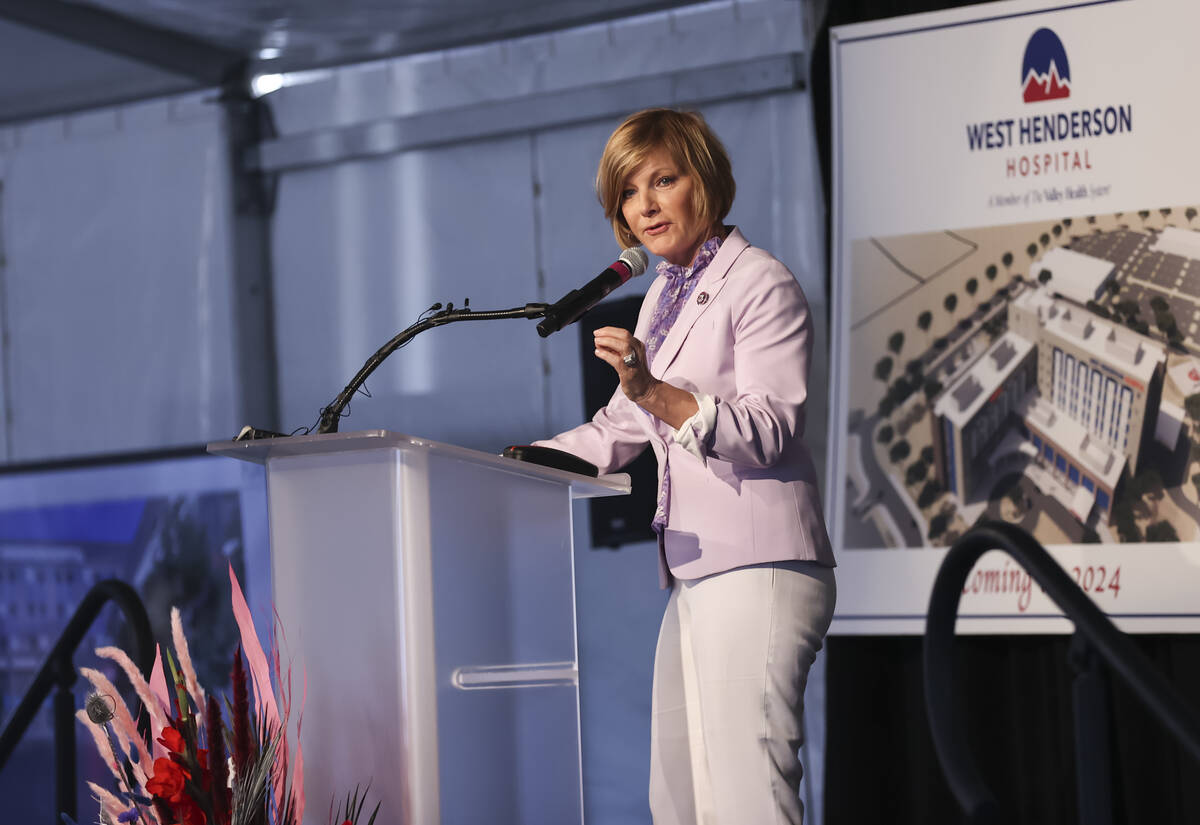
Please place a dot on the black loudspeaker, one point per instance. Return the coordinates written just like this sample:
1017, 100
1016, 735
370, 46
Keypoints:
616, 520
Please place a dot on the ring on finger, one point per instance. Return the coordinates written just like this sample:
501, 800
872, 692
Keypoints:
630, 359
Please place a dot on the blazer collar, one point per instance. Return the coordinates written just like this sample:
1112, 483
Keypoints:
702, 298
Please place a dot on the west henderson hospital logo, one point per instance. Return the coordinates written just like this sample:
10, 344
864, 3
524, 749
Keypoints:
1043, 140
1045, 72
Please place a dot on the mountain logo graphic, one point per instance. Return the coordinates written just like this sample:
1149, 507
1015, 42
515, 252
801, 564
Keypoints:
1045, 72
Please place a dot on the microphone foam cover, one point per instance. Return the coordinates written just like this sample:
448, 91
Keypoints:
636, 259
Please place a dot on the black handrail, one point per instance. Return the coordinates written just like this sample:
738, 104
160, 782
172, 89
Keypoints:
1093, 632
59, 670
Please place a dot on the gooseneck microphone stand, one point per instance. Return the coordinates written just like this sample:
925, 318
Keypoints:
333, 412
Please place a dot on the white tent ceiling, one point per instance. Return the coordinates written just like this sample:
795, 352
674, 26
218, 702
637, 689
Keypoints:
58, 56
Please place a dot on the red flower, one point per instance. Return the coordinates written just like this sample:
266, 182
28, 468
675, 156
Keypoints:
172, 740
187, 812
168, 780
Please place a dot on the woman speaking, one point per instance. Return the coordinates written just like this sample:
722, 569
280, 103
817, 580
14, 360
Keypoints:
715, 379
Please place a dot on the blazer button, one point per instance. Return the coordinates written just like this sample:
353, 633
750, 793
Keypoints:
702, 298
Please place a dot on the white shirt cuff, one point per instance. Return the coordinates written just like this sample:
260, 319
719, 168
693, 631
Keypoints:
692, 433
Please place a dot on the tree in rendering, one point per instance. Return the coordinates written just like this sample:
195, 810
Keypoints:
895, 342
1031, 250
916, 473
1190, 213
1123, 519
1015, 496
900, 451
1044, 277
1161, 531
883, 368
972, 286
1192, 405
1044, 240
924, 321
1006, 259
950, 303
1128, 307
932, 490
991, 272
938, 525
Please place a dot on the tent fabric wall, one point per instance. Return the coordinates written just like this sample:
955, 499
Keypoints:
116, 281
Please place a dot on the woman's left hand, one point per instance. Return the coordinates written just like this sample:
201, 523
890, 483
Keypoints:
620, 350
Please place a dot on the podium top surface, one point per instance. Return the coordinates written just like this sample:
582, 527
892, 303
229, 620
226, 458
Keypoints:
263, 450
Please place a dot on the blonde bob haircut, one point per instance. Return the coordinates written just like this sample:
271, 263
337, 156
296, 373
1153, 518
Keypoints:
690, 143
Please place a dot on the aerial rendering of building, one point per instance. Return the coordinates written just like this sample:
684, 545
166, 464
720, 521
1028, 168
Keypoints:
1084, 390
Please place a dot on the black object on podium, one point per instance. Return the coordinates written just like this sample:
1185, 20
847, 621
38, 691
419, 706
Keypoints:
550, 457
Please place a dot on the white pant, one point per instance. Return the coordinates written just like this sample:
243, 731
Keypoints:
729, 673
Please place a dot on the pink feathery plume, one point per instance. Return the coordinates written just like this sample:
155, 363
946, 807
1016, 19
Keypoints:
285, 683
158, 680
260, 677
295, 796
151, 703
185, 661
279, 770
158, 686
122, 722
256, 659
109, 803
103, 744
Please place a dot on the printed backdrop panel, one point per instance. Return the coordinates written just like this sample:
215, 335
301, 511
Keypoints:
1017, 282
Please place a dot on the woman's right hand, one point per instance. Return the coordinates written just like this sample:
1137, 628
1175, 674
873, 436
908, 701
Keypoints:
623, 352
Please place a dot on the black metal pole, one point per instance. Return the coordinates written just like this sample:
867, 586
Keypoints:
947, 720
64, 739
59, 671
1093, 740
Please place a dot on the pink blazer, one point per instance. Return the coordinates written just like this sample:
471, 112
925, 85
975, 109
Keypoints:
745, 338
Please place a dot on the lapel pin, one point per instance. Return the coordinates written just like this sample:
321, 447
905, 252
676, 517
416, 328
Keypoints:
702, 298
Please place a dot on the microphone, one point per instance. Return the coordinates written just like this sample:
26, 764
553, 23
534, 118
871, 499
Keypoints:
571, 307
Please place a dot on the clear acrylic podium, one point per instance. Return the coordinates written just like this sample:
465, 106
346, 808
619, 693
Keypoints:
427, 591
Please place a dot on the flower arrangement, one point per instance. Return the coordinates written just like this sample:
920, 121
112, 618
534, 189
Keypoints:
203, 767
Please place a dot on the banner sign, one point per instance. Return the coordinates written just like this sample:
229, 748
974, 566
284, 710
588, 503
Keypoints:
1016, 310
